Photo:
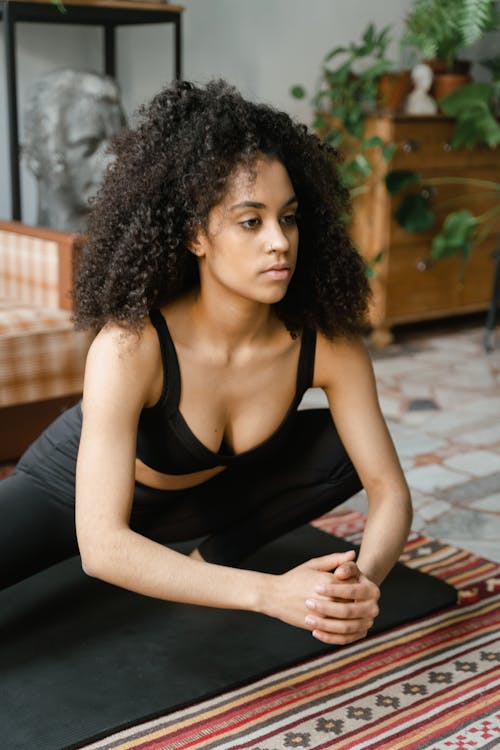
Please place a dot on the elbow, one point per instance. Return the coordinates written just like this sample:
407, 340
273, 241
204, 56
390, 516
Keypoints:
88, 569
94, 561
90, 566
100, 555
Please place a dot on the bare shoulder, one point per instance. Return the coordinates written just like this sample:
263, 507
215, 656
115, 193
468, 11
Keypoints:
121, 345
341, 361
121, 360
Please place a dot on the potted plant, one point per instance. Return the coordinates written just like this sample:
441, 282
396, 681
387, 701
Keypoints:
439, 31
347, 90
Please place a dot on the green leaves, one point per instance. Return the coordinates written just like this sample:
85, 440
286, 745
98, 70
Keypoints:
474, 18
415, 213
442, 28
470, 95
457, 236
298, 92
474, 119
370, 266
399, 179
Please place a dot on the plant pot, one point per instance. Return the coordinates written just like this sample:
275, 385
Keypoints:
441, 66
446, 83
392, 90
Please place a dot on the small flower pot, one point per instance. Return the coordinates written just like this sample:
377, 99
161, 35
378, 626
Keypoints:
392, 90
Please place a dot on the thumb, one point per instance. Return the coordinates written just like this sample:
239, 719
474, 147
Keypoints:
329, 562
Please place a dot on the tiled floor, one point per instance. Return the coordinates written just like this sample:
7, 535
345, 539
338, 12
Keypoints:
440, 393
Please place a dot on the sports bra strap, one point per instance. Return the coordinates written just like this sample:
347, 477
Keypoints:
171, 391
305, 373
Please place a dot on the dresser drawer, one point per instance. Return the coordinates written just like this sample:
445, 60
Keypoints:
418, 147
414, 287
446, 198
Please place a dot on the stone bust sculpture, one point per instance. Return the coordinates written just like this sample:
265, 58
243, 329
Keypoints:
419, 102
70, 117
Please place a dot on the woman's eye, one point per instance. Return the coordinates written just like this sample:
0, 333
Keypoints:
251, 223
289, 219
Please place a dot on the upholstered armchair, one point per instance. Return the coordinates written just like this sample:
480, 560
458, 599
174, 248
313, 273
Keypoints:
42, 357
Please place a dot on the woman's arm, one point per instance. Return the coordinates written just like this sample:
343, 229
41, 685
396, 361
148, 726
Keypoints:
118, 383
344, 371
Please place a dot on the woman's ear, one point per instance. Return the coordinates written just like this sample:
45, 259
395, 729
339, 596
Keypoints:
197, 246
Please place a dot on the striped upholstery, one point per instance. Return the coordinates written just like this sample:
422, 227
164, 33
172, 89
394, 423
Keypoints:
29, 269
41, 356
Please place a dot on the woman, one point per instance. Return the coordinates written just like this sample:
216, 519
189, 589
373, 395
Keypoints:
222, 284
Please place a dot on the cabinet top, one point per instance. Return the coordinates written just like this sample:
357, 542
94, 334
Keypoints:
130, 4
405, 117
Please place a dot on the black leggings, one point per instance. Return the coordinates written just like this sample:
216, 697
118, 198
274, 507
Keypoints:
235, 511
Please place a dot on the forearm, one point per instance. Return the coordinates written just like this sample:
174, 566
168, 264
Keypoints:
132, 561
386, 532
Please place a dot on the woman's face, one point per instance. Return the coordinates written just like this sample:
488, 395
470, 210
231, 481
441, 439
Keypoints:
258, 213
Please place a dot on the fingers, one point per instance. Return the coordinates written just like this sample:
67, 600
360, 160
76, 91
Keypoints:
329, 562
346, 615
337, 631
363, 588
347, 570
336, 639
335, 610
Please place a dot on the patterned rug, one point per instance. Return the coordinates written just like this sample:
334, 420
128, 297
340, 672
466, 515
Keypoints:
431, 685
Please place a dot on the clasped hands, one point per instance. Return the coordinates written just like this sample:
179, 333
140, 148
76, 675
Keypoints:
340, 602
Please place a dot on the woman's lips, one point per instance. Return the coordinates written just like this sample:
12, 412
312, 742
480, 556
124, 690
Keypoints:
278, 272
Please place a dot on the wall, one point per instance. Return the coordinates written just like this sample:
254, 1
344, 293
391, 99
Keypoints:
262, 46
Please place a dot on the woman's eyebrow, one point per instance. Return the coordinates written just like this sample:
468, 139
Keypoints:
256, 204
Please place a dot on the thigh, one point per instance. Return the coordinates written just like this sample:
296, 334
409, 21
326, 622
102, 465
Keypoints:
311, 455
36, 531
309, 475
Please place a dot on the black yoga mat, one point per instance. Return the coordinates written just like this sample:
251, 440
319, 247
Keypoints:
80, 658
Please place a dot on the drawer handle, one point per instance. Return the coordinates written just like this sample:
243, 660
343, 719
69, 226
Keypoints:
447, 147
409, 147
423, 264
429, 191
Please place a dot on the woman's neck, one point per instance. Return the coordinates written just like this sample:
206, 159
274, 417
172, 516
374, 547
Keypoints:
230, 327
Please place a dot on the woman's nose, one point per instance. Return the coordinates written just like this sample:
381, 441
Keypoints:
277, 242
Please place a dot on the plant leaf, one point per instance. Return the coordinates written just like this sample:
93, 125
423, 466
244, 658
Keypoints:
373, 142
334, 52
415, 214
388, 151
476, 17
399, 179
298, 92
470, 95
361, 165
320, 123
457, 236
476, 126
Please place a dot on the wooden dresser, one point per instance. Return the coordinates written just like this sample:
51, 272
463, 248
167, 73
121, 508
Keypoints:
406, 288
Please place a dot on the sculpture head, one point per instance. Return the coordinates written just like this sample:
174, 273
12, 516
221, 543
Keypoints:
70, 118
422, 76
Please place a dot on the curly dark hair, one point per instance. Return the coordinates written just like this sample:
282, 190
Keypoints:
172, 169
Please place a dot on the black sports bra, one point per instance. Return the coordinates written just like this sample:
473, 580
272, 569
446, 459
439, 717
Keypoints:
165, 441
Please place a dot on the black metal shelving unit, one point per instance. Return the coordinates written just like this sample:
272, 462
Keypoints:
107, 16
